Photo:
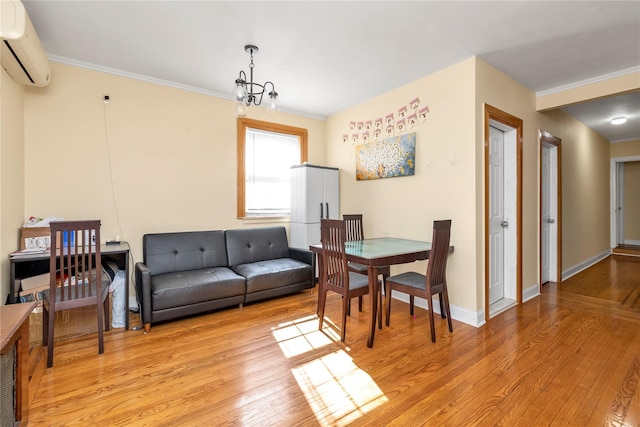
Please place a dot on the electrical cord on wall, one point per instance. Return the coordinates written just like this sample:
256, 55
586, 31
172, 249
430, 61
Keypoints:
106, 100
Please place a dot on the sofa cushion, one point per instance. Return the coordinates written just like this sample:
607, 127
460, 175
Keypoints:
249, 245
269, 274
190, 287
182, 251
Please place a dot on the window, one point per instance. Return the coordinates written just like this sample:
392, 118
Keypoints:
266, 152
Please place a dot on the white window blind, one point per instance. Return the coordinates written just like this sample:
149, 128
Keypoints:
268, 160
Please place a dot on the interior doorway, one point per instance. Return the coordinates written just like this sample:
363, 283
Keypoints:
625, 205
503, 211
550, 208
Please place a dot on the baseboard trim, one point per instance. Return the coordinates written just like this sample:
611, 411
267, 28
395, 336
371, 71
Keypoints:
572, 271
475, 319
530, 292
457, 313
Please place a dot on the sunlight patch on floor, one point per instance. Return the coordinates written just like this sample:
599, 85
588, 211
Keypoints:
301, 335
337, 390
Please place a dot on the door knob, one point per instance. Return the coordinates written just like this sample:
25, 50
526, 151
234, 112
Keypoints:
551, 220
504, 223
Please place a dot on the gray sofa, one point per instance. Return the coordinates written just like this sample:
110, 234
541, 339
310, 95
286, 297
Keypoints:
193, 272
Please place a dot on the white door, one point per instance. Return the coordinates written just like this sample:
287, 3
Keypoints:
617, 199
548, 224
546, 240
497, 223
620, 204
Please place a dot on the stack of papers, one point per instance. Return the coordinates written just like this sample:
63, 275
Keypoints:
29, 251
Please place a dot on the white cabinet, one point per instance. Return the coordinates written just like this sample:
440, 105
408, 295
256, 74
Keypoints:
314, 196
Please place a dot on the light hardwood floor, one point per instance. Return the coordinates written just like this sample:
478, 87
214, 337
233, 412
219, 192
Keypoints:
568, 358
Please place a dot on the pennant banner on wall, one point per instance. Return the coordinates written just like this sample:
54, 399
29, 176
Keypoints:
406, 117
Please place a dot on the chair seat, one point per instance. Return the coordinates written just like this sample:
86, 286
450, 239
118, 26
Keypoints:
357, 281
106, 282
410, 279
45, 293
362, 269
358, 268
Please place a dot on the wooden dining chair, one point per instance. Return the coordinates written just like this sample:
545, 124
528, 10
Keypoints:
434, 282
335, 275
355, 231
75, 277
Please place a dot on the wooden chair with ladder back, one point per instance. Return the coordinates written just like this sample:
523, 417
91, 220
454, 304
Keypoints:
433, 283
355, 231
335, 274
75, 277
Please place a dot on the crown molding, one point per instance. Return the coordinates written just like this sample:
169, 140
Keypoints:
589, 81
168, 83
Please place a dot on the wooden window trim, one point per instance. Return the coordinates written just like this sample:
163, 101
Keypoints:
243, 124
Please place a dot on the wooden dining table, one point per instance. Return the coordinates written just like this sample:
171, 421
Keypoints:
375, 253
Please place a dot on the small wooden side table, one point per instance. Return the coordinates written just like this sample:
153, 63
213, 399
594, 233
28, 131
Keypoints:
14, 353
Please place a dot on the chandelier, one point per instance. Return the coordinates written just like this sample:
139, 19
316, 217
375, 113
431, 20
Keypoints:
248, 92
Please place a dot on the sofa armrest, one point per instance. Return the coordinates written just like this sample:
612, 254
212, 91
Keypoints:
143, 292
302, 255
306, 256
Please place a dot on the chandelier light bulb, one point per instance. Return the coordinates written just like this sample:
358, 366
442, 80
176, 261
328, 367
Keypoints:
273, 101
240, 90
241, 109
618, 120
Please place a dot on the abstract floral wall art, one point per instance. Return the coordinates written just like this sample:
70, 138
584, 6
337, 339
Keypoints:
388, 158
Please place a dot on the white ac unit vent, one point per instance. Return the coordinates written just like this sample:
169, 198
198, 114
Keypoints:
22, 54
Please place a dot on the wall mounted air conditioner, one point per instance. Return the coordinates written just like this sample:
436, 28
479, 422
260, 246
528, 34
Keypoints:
22, 54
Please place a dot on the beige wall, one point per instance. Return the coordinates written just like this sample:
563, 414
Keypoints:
585, 188
500, 91
449, 179
153, 159
454, 134
407, 206
164, 159
11, 173
625, 149
599, 89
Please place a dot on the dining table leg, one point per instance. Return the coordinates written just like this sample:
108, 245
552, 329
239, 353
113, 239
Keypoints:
321, 294
372, 273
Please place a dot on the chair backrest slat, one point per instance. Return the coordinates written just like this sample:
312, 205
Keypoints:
335, 272
75, 264
353, 227
437, 265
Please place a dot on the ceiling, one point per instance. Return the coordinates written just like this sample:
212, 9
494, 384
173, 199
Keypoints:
327, 56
